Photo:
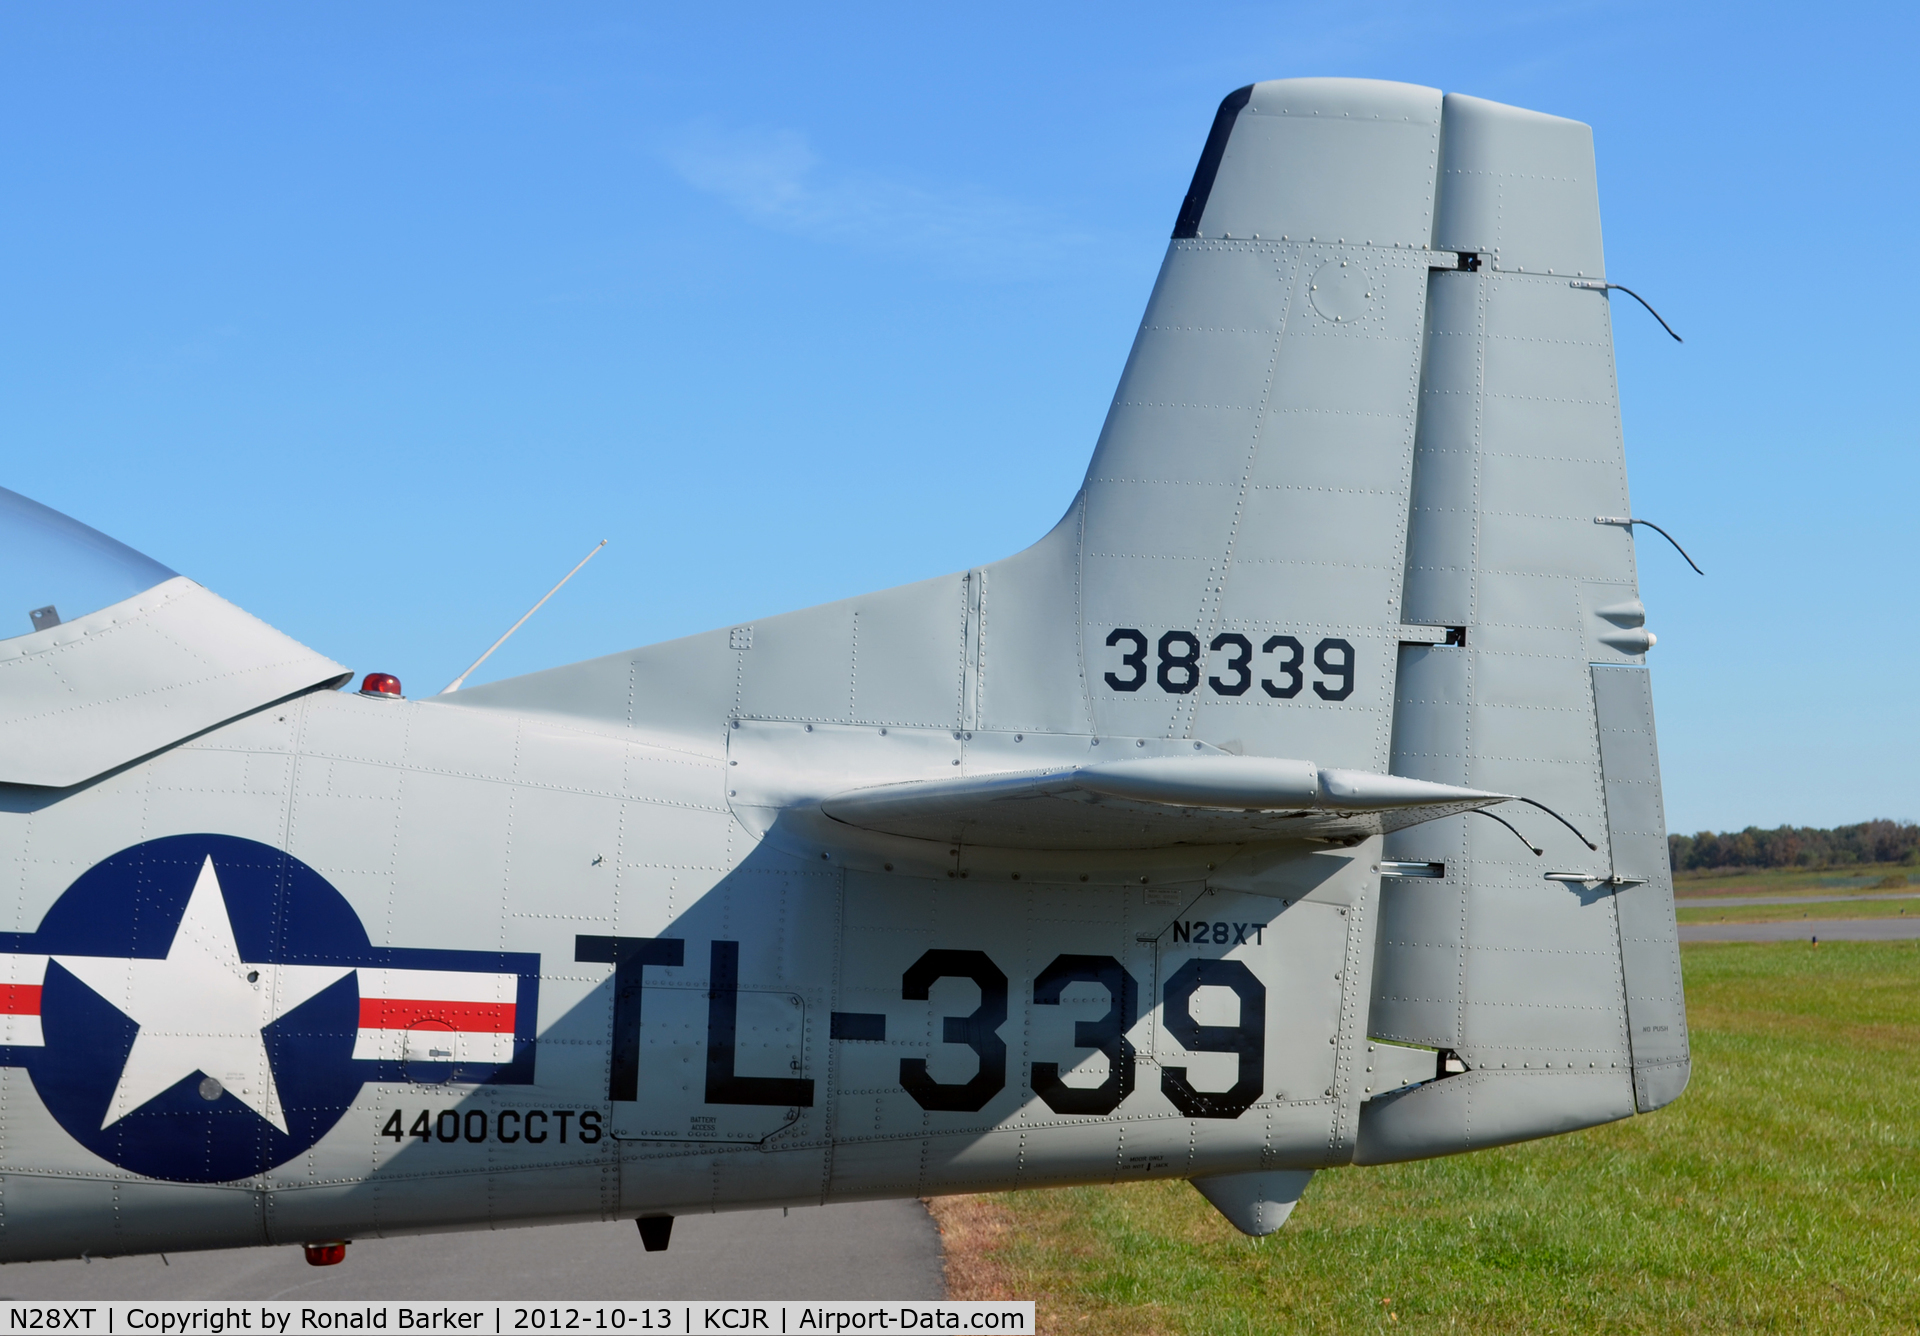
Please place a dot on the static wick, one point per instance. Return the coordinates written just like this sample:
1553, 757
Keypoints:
455, 684
1537, 850
1599, 285
1622, 522
1535, 802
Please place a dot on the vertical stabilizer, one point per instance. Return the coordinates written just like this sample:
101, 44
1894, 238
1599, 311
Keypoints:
1236, 550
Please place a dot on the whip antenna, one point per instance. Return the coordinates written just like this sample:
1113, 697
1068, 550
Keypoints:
455, 684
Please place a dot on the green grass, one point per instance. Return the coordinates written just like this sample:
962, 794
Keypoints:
1780, 1193
1833, 909
1792, 881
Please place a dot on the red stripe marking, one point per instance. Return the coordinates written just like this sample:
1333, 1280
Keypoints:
22, 999
403, 1013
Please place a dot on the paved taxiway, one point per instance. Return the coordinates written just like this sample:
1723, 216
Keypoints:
863, 1250
1799, 930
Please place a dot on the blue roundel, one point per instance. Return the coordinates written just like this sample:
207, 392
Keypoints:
202, 1008
160, 1053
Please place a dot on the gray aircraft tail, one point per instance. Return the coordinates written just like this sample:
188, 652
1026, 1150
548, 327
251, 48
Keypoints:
1342, 510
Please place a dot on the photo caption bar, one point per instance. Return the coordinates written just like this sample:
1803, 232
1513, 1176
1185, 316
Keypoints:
675, 1317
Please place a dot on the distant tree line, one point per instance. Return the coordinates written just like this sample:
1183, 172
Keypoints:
1797, 846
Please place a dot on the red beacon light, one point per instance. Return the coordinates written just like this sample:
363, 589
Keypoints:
387, 687
327, 1254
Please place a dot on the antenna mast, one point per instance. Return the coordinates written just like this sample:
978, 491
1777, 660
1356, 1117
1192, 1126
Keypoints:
455, 684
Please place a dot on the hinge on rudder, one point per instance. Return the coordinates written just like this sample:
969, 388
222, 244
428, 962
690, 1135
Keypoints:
974, 591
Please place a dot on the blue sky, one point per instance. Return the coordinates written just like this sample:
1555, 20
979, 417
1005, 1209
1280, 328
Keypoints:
375, 318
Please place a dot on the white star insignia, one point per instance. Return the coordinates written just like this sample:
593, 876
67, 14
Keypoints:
202, 1009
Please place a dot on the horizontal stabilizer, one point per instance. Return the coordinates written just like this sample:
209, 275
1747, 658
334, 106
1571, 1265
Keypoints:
1153, 802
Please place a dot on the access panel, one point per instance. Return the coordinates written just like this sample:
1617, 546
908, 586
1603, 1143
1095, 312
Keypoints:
1250, 989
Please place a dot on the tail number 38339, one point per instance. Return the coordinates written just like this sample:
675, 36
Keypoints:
1280, 666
